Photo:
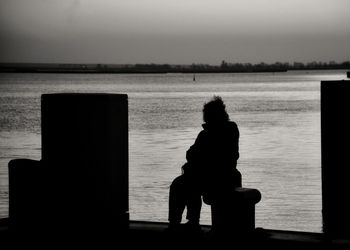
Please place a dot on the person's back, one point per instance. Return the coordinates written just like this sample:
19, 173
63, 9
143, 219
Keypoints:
214, 159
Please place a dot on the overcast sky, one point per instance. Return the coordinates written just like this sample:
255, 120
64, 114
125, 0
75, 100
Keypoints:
174, 31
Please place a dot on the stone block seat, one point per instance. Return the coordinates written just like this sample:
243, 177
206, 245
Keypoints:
235, 212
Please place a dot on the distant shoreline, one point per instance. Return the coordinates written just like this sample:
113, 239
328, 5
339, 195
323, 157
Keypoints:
131, 71
165, 68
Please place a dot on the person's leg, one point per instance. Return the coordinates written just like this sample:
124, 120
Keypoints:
194, 204
177, 200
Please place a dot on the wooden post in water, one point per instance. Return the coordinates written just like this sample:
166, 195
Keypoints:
85, 148
335, 140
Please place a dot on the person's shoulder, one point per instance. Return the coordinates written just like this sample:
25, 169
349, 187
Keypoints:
232, 124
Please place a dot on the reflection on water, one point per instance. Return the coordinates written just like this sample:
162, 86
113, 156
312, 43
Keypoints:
278, 116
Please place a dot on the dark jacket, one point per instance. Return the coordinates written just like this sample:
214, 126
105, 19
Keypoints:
212, 159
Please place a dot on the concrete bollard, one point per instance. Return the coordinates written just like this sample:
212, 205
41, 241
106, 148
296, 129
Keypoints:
235, 214
26, 195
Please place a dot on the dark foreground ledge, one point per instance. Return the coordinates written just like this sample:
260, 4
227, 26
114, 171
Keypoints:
260, 238
154, 235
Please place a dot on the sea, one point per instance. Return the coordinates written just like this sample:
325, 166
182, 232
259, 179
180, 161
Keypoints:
278, 115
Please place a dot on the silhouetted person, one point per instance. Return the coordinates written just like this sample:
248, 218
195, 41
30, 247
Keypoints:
210, 170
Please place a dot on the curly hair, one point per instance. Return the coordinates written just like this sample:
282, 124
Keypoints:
214, 111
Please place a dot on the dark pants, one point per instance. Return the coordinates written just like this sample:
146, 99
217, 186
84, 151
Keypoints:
184, 193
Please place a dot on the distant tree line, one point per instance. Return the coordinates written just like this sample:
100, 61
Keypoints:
274, 67
171, 68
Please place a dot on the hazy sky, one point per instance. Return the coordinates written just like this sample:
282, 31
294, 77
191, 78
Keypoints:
174, 31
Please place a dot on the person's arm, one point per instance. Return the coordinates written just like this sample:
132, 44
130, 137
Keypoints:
195, 152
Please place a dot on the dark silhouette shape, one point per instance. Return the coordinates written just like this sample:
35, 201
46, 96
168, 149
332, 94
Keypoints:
27, 197
335, 137
79, 190
210, 170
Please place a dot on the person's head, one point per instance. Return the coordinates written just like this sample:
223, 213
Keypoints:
214, 111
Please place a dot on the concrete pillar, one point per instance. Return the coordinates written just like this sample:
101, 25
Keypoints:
335, 141
85, 148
